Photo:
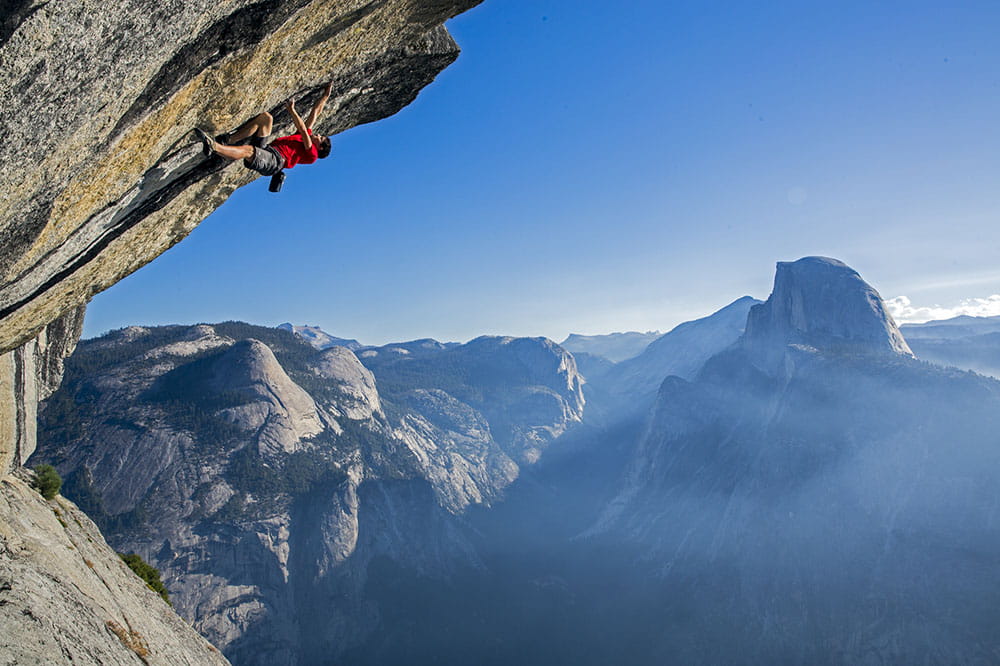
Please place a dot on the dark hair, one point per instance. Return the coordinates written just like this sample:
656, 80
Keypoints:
323, 149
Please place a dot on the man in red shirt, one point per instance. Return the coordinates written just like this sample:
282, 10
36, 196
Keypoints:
249, 141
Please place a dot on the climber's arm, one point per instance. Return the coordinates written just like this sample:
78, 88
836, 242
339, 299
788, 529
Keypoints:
299, 125
318, 106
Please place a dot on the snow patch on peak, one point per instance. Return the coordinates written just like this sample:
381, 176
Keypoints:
319, 338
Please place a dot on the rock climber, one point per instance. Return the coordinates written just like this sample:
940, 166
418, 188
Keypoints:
249, 141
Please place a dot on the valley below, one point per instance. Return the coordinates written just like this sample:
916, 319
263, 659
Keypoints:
796, 480
797, 488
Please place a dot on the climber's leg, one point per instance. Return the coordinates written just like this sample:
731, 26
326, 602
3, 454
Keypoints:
262, 159
256, 129
210, 146
234, 152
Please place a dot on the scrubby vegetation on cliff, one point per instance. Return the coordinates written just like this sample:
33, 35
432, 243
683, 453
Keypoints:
147, 572
47, 481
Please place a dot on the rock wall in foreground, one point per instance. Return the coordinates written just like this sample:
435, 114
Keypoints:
98, 172
66, 597
98, 176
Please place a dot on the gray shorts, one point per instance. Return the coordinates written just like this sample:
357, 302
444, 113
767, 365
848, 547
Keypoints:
265, 161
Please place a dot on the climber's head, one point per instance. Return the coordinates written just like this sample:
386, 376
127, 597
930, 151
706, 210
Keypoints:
322, 146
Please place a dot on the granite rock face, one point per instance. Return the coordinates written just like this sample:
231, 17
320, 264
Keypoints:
99, 175
98, 170
815, 494
269, 404
66, 597
822, 304
319, 338
264, 476
533, 378
28, 375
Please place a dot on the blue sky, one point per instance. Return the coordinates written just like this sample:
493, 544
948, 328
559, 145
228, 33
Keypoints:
590, 166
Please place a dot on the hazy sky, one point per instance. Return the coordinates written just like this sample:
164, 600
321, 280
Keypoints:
591, 166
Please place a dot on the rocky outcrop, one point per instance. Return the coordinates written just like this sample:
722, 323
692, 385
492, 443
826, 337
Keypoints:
454, 448
263, 475
822, 304
98, 170
319, 338
528, 388
66, 597
360, 399
28, 375
99, 175
824, 490
270, 405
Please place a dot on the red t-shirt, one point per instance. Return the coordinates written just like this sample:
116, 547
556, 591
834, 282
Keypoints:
294, 150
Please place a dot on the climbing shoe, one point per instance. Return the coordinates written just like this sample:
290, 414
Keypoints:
207, 142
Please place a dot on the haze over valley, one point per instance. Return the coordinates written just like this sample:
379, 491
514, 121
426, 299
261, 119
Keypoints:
350, 332
774, 497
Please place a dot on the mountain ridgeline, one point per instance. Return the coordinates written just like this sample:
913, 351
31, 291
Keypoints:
614, 347
779, 482
970, 343
263, 476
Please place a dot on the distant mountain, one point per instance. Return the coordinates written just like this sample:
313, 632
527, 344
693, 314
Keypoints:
786, 485
969, 343
410, 349
593, 368
319, 338
632, 384
817, 470
821, 303
613, 346
962, 326
498, 376
979, 353
264, 476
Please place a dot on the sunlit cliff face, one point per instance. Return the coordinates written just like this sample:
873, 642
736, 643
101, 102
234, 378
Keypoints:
103, 175
98, 176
